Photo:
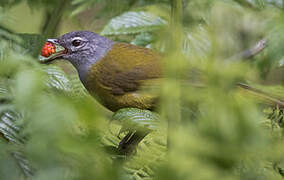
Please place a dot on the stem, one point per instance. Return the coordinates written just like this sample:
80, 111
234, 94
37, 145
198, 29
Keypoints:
177, 11
132, 3
176, 20
52, 21
175, 45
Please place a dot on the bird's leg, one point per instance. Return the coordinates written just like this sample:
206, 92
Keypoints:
129, 143
126, 138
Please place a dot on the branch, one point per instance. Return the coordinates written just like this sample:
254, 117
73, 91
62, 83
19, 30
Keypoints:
273, 100
247, 54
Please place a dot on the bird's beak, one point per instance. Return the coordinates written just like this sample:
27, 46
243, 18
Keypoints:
58, 51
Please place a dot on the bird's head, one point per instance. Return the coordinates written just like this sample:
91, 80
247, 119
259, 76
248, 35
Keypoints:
81, 48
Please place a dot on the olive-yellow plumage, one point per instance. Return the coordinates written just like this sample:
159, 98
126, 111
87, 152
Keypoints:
118, 80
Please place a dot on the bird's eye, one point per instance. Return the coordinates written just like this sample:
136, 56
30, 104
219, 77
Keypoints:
76, 42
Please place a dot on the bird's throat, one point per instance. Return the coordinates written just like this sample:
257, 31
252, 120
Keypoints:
84, 64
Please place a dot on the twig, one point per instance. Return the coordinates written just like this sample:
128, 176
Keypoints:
247, 54
274, 100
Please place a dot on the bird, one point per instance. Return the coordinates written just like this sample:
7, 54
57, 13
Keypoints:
121, 75
112, 72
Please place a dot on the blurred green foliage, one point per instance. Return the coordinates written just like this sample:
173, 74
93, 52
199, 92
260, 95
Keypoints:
52, 128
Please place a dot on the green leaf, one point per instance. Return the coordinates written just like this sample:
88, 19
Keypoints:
143, 39
133, 119
82, 5
19, 43
31, 43
132, 23
150, 152
77, 87
8, 126
57, 78
11, 130
8, 40
197, 42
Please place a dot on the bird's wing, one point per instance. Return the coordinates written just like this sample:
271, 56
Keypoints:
127, 67
132, 80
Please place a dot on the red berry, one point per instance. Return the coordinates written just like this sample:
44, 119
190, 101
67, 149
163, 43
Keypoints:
48, 49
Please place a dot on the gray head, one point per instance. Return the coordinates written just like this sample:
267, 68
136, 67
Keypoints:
81, 48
